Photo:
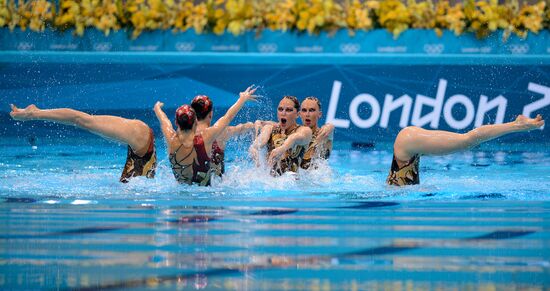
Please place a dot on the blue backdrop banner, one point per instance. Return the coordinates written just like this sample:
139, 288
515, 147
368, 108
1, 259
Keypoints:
364, 101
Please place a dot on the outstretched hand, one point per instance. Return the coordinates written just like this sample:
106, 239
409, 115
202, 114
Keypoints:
325, 132
525, 123
158, 105
276, 156
248, 94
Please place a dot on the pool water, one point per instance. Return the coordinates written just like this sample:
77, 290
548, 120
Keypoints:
479, 220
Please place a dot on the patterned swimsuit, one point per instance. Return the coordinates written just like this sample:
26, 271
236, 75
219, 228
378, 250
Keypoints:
201, 171
292, 159
406, 175
316, 151
140, 166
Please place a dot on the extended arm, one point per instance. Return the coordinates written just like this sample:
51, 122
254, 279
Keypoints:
165, 124
211, 133
245, 127
238, 129
260, 142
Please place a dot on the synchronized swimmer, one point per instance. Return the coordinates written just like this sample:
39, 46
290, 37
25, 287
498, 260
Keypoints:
196, 149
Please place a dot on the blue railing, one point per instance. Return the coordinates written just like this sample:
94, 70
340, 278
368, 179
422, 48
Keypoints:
414, 41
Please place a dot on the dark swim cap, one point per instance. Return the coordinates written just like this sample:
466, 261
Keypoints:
185, 117
202, 105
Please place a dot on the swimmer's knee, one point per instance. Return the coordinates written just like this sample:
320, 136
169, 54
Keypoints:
141, 131
407, 132
141, 127
470, 138
83, 120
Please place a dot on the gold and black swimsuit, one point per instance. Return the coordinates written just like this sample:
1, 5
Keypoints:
140, 166
316, 151
406, 175
292, 159
198, 171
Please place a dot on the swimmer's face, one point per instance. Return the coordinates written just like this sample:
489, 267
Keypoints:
310, 113
286, 113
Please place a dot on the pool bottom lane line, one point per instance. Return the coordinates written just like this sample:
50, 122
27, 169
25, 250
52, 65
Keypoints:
278, 262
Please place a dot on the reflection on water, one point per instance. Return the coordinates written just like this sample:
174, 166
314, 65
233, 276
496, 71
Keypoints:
292, 245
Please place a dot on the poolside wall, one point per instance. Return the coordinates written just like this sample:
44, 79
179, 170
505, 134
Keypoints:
370, 85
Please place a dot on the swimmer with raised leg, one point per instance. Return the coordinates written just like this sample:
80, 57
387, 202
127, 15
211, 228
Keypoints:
412, 142
141, 158
286, 141
187, 147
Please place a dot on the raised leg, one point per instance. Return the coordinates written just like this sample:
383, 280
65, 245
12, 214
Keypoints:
415, 140
133, 132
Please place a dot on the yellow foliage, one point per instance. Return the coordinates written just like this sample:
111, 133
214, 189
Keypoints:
529, 18
312, 16
486, 17
447, 17
394, 16
5, 14
358, 15
280, 15
422, 14
149, 15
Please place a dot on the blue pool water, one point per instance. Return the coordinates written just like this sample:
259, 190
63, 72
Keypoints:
479, 220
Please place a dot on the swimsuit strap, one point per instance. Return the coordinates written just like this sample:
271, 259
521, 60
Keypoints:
175, 153
178, 167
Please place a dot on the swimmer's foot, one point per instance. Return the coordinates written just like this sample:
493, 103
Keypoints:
524, 123
23, 114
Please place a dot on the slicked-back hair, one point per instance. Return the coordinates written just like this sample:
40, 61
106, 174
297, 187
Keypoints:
313, 98
294, 100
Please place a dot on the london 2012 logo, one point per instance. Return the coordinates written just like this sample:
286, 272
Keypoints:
417, 111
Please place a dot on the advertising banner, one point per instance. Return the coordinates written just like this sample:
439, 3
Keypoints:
364, 102
378, 41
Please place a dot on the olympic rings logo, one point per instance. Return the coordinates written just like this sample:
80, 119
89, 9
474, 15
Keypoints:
103, 46
434, 49
350, 48
518, 49
267, 47
185, 46
24, 46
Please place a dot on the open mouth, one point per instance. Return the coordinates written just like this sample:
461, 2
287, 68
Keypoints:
283, 121
308, 120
